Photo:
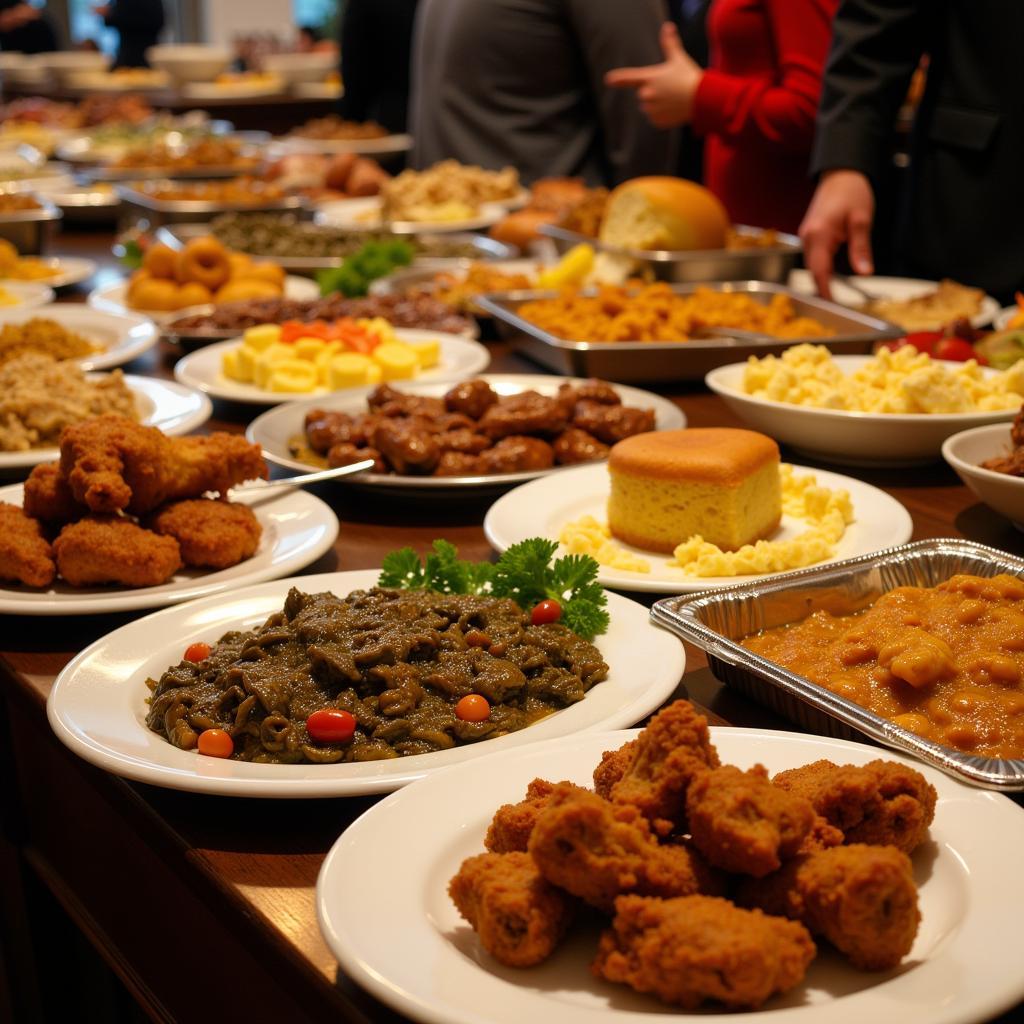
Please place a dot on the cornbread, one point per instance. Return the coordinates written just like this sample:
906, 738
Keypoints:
670, 485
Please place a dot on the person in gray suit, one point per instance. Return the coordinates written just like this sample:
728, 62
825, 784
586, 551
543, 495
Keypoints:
521, 82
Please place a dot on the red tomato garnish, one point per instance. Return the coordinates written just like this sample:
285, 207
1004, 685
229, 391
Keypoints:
331, 725
197, 652
216, 743
953, 348
924, 341
546, 611
473, 708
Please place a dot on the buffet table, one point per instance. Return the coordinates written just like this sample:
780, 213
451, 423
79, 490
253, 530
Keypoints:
204, 907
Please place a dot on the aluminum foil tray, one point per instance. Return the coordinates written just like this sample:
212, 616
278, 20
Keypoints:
717, 621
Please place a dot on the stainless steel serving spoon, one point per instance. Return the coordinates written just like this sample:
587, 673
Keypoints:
304, 478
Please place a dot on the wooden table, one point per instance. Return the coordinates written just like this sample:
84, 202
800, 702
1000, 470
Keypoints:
204, 906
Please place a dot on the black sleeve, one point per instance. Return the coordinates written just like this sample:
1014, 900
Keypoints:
142, 15
876, 45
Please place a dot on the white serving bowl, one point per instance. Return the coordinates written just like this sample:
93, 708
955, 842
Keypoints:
848, 438
967, 450
300, 67
190, 63
64, 64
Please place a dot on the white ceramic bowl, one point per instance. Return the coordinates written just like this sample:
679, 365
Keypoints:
849, 438
190, 63
967, 450
300, 67
65, 63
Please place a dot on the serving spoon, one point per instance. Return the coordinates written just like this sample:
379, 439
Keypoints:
304, 478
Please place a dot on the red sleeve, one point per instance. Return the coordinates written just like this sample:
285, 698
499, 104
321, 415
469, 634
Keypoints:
781, 110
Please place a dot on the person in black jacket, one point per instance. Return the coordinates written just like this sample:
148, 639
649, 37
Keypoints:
959, 213
138, 23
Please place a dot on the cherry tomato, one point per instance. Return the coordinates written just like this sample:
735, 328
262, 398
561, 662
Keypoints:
216, 743
197, 652
924, 341
954, 348
473, 708
546, 611
331, 725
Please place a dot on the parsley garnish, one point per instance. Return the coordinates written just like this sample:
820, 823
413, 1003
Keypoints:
524, 573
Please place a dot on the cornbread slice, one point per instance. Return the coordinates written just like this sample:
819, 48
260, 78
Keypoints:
669, 485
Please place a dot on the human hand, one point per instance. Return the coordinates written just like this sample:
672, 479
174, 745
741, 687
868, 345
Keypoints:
841, 210
665, 90
101, 11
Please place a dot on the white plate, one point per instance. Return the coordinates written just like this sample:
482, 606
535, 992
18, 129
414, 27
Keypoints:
898, 288
123, 337
66, 270
364, 215
543, 507
172, 407
967, 450
851, 438
231, 90
398, 935
112, 298
327, 147
297, 529
98, 703
201, 369
274, 428
30, 294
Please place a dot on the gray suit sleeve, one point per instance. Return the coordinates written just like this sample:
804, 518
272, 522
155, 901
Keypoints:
623, 33
876, 45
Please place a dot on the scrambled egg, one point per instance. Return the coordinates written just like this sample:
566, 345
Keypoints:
900, 381
826, 512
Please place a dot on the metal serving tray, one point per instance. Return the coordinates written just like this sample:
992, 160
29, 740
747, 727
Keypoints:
30, 231
771, 263
630, 361
176, 235
137, 204
717, 621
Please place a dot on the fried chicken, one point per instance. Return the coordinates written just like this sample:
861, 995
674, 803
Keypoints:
112, 464
673, 749
697, 948
109, 549
25, 553
211, 534
883, 803
612, 767
861, 898
597, 850
742, 823
512, 824
48, 496
519, 917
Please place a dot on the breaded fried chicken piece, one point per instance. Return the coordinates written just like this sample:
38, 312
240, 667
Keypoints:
673, 749
884, 803
744, 824
512, 824
112, 463
25, 553
597, 850
211, 534
612, 767
519, 917
48, 496
861, 898
822, 836
109, 549
697, 948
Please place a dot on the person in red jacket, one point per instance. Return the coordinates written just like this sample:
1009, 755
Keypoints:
756, 103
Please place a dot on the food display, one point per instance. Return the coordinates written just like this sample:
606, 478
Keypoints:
125, 505
448, 191
473, 430
89, 112
235, 317
304, 357
949, 301
551, 201
1012, 463
40, 396
332, 127
458, 289
449, 665
668, 832
24, 268
18, 202
43, 335
943, 662
656, 313
201, 273
201, 154
241, 191
373, 259
319, 178
900, 381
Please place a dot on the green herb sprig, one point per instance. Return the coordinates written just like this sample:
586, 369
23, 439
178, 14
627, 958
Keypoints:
525, 573
372, 260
